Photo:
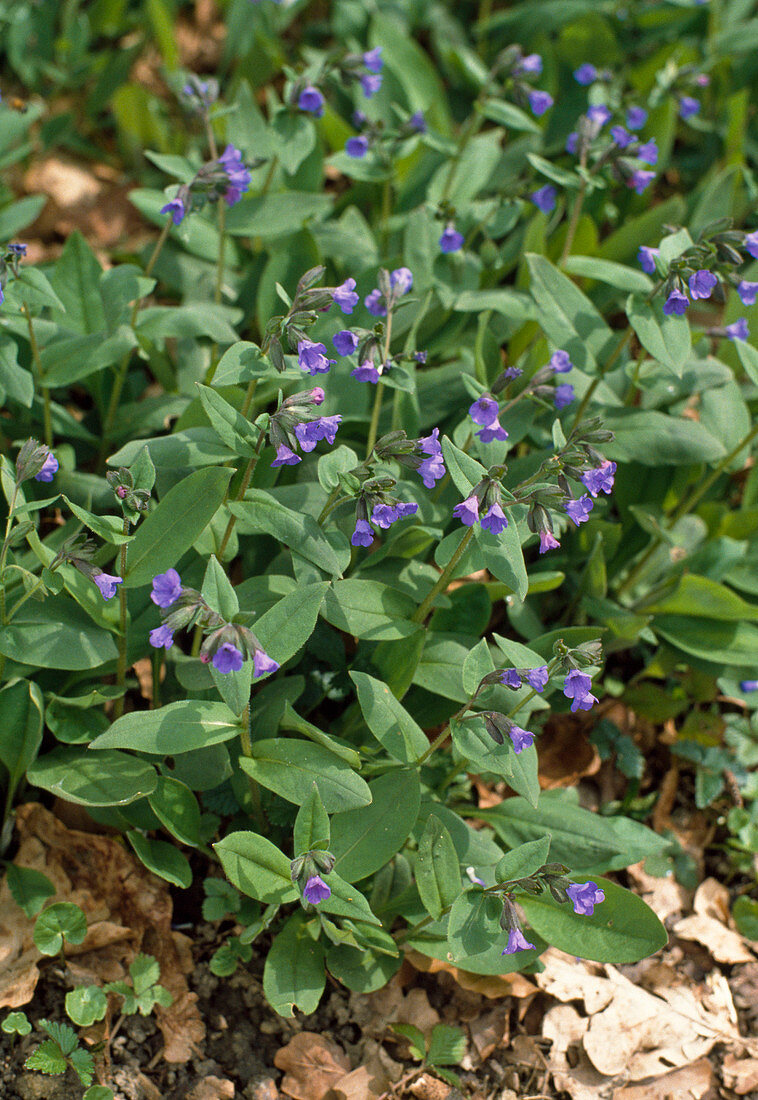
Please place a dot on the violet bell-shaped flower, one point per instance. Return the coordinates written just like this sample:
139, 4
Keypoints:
345, 341
312, 357
167, 588
107, 584
345, 296
545, 198
576, 686
676, 304
316, 890
584, 896
702, 284
599, 479
451, 240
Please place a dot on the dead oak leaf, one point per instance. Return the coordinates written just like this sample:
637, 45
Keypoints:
312, 1065
691, 1082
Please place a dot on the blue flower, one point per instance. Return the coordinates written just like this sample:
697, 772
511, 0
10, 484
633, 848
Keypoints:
366, 372
572, 142
484, 410
417, 122
49, 468
467, 511
738, 330
564, 395
521, 739
316, 890
167, 588
362, 535
530, 63
545, 198
401, 280
688, 106
311, 100
648, 153
510, 678
495, 520
312, 357
17, 249
356, 147
432, 468
451, 240
162, 637
600, 479
748, 685
345, 296
492, 432
640, 180
227, 658
313, 431
578, 511
263, 664
584, 896
345, 341
576, 686
539, 101
621, 136
537, 678
560, 362
646, 258
238, 174
676, 303
372, 59
585, 74
750, 244
175, 207
548, 541
517, 941
375, 304
747, 292
701, 284
371, 83
636, 117
599, 114
285, 456
107, 584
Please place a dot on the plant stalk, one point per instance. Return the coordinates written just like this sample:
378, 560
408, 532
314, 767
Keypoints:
422, 611
118, 704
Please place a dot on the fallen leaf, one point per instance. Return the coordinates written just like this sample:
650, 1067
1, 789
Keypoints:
489, 1031
566, 754
740, 1074
709, 925
312, 1065
212, 1088
427, 1087
391, 1004
665, 896
572, 1073
688, 1083
360, 1084
492, 986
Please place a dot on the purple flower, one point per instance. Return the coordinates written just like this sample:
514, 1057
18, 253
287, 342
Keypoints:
401, 279
316, 890
174, 207
345, 296
312, 431
431, 469
640, 180
676, 303
493, 431
748, 685
747, 292
578, 511
648, 153
417, 122
585, 74
384, 515
702, 79
362, 535
419, 356
161, 637
531, 63
688, 106
510, 678
636, 117
599, 480
584, 896
738, 330
312, 357
285, 456
701, 284
545, 198
512, 372
317, 395
564, 395
263, 664
517, 941
49, 468
539, 101
227, 658
484, 410
237, 172
548, 542
495, 520
467, 511
521, 739
372, 59
750, 244
371, 83
598, 114
537, 677
375, 304
17, 249
572, 142
312, 101
366, 372
356, 147
621, 136
107, 584
646, 258
560, 362
167, 588
451, 240
345, 341
576, 687
430, 444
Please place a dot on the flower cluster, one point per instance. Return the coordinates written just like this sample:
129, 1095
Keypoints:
306, 873
227, 177
294, 424
552, 877
79, 551
35, 460
382, 139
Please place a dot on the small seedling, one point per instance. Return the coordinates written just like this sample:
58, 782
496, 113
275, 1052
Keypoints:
144, 992
446, 1047
61, 1050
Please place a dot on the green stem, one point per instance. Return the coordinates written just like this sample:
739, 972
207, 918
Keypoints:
27, 595
422, 611
472, 126
247, 749
249, 395
386, 212
123, 367
441, 737
686, 506
47, 416
331, 500
118, 705
576, 212
240, 494
374, 425
218, 290
155, 702
600, 375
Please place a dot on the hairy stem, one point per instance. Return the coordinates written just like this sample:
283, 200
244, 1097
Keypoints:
47, 417
374, 425
241, 492
118, 705
442, 581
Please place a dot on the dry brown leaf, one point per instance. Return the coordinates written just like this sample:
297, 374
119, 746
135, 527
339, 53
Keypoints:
665, 896
740, 1074
709, 925
492, 986
182, 1026
566, 754
427, 1087
212, 1088
391, 1005
573, 1074
489, 1031
688, 1083
360, 1084
312, 1065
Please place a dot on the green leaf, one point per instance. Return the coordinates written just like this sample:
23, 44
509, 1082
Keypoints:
415, 1037
363, 840
347, 901
217, 590
98, 1092
296, 137
584, 841
83, 1064
465, 471
622, 929
22, 708
370, 610
85, 1005
447, 1046
273, 216
507, 114
288, 625
177, 809
144, 971
47, 1058
76, 281
16, 1023
388, 719
656, 439
56, 634
59, 922
473, 930
109, 528
180, 518
729, 643
293, 975
360, 969
290, 767
30, 888
178, 727
606, 271
473, 742
702, 597
188, 321
667, 339
477, 665
503, 557
568, 317
232, 427
745, 913
261, 513
438, 874
162, 859
256, 867
553, 172
311, 824
523, 861
108, 778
